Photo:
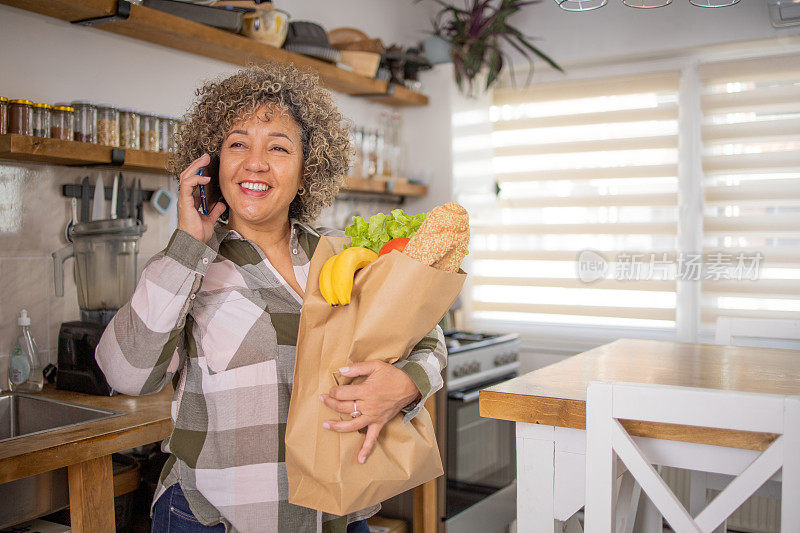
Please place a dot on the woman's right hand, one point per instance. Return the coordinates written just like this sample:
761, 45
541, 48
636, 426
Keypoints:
190, 220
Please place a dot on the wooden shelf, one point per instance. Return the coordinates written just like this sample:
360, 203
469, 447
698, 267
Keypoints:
58, 152
73, 153
399, 187
181, 34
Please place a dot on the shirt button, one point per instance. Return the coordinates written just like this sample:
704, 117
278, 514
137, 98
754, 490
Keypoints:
205, 260
192, 296
294, 251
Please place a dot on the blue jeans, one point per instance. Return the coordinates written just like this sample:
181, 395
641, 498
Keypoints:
171, 514
358, 527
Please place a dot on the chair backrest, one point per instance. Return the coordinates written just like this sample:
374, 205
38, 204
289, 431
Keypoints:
607, 440
760, 332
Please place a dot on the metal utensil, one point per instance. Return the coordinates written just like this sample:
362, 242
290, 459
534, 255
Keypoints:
132, 200
114, 192
122, 197
139, 201
73, 220
99, 201
85, 199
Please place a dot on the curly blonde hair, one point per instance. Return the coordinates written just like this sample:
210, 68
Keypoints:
323, 130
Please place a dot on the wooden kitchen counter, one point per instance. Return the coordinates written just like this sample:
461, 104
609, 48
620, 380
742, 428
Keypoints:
86, 450
556, 395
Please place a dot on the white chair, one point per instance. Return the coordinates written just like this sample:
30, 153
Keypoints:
760, 332
754, 332
607, 441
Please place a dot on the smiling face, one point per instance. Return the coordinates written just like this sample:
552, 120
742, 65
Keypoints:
261, 166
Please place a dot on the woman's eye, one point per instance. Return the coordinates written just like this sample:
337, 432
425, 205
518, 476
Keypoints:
236, 144
281, 148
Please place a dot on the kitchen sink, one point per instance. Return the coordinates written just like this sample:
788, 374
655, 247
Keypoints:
22, 415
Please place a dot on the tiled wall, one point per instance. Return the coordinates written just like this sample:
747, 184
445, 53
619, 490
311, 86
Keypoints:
33, 217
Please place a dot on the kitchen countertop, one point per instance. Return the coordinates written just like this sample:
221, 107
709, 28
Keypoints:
144, 419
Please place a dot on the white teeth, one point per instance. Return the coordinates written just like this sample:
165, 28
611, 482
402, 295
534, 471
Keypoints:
254, 186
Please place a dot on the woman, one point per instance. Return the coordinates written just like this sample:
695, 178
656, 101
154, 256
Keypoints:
218, 310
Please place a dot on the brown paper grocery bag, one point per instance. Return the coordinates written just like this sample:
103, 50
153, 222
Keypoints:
395, 302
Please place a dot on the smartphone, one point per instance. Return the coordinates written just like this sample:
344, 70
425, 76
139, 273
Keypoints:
210, 193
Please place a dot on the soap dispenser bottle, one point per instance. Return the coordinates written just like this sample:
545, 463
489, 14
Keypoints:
25, 370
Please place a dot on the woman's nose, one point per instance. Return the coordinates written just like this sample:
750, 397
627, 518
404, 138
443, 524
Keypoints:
256, 163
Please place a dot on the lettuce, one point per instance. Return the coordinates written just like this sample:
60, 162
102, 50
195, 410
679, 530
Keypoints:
381, 228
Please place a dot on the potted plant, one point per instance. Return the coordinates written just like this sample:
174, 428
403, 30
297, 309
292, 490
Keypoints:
477, 34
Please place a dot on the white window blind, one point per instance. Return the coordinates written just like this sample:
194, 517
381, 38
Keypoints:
751, 187
581, 165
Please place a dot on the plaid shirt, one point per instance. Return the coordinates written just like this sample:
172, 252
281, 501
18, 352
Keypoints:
222, 323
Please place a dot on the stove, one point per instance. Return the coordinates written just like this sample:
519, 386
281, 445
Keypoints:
480, 461
473, 358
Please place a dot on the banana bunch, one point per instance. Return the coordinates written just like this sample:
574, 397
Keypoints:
336, 277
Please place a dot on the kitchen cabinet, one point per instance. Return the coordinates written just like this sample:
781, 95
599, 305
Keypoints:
181, 34
86, 451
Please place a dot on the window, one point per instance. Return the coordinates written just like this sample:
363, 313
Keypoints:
585, 175
751, 188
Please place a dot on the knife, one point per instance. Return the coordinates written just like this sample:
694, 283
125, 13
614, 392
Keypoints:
85, 199
132, 200
99, 201
114, 192
121, 197
139, 202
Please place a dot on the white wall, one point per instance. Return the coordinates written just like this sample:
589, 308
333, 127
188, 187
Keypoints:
49, 60
617, 30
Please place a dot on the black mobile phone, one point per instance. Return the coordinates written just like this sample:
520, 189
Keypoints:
210, 193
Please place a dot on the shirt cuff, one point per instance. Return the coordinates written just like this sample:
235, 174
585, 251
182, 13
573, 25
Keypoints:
417, 374
190, 252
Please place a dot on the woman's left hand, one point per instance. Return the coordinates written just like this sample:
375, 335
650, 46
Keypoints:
380, 397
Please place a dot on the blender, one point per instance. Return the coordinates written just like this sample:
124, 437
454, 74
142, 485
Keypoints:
105, 253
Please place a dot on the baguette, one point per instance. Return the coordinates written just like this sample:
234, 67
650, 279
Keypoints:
442, 240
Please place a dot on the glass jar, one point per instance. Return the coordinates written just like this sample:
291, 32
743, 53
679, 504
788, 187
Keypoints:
107, 125
174, 128
163, 134
20, 117
41, 120
85, 121
3, 115
62, 123
148, 131
129, 129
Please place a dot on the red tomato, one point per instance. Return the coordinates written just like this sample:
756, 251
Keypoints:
398, 244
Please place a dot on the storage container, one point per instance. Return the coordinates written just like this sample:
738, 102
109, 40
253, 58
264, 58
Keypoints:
62, 122
85, 121
129, 129
107, 125
20, 117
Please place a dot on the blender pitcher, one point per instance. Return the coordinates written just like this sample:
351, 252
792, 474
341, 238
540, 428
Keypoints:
105, 254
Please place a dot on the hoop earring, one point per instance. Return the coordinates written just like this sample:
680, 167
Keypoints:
301, 191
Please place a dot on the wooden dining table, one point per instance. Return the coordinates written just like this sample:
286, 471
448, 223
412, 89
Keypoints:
549, 408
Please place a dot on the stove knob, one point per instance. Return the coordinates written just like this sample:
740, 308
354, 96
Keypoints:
475, 367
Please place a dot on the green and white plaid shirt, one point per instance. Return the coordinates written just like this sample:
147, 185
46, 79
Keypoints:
220, 322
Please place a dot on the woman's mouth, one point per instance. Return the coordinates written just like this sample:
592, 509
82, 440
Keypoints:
256, 189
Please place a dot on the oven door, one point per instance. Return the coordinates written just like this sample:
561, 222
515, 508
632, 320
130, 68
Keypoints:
481, 452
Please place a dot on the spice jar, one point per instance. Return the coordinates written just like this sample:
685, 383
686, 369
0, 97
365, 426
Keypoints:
41, 120
85, 121
107, 125
62, 122
167, 128
129, 129
20, 117
3, 115
148, 131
